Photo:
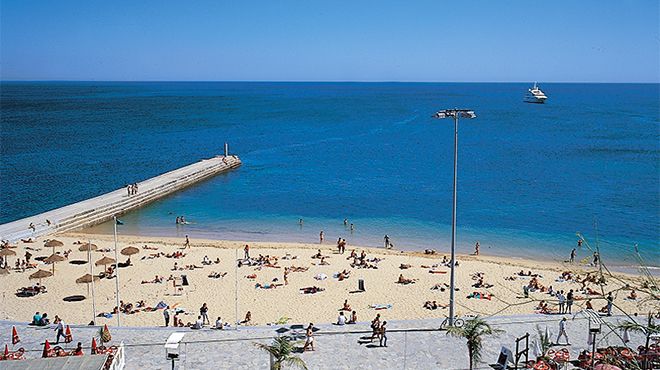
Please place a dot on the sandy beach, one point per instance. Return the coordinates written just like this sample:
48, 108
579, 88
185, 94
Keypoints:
287, 301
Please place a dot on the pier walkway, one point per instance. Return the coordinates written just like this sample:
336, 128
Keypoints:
102, 208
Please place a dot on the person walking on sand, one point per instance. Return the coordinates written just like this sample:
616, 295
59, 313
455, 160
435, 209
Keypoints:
387, 241
187, 245
246, 251
476, 248
573, 254
166, 316
309, 334
321, 237
562, 331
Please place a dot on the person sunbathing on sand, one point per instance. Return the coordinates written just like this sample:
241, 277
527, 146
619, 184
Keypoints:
405, 281
311, 290
344, 275
217, 275
248, 318
352, 256
632, 295
353, 318
404, 266
156, 280
323, 262
318, 255
346, 307
588, 305
430, 305
298, 269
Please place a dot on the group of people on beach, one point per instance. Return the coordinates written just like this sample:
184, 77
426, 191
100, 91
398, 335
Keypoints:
132, 189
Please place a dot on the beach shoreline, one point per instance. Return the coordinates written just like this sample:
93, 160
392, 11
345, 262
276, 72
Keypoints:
284, 302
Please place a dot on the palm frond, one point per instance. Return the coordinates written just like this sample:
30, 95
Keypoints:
296, 361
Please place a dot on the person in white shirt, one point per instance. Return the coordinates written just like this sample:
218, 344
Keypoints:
218, 323
198, 324
341, 320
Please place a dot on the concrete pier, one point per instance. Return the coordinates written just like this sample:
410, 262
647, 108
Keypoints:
102, 208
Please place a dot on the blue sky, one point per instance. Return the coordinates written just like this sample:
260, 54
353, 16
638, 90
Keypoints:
549, 41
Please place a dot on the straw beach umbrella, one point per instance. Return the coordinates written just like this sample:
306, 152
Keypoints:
54, 258
41, 274
87, 247
52, 244
105, 261
6, 252
129, 251
87, 279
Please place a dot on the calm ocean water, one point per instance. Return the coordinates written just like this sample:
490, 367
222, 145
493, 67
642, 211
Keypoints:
530, 176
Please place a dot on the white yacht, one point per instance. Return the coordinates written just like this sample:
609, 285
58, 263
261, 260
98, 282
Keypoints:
535, 95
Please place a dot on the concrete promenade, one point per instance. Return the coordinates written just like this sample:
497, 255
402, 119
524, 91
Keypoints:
336, 347
102, 208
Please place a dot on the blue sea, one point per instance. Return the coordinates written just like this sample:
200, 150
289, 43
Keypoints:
530, 176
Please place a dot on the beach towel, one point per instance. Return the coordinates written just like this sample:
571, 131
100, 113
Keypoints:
321, 276
380, 306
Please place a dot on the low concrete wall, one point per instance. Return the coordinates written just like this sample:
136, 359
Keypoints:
102, 208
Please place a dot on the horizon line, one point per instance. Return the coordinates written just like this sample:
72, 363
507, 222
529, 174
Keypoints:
337, 81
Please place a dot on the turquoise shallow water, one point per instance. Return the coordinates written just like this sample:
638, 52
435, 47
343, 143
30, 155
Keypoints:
530, 175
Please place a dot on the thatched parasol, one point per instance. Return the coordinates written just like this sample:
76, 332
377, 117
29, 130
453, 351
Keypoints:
54, 258
41, 274
6, 252
105, 261
87, 247
52, 244
129, 251
87, 279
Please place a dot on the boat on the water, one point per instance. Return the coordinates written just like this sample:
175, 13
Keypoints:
535, 95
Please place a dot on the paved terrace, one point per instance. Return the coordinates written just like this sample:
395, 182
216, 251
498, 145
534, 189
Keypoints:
410, 344
102, 208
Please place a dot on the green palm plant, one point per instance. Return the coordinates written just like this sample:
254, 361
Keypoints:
282, 351
473, 332
544, 340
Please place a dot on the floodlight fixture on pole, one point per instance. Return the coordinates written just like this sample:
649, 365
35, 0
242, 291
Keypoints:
455, 114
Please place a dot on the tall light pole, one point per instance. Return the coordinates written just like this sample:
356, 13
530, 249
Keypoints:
454, 113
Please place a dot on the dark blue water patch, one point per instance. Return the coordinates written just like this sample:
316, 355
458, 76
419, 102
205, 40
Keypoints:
335, 150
